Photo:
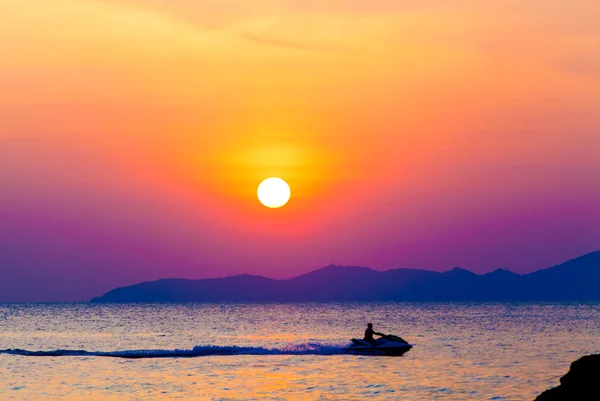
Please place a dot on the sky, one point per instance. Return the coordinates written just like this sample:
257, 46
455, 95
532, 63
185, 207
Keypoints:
431, 134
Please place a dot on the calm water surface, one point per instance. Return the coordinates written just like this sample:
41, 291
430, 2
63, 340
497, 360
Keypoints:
461, 351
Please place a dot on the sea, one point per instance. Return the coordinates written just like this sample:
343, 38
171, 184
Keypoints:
461, 351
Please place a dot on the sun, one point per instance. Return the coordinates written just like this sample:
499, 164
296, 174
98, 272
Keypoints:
274, 192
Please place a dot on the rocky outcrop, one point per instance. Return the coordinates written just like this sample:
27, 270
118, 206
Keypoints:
581, 383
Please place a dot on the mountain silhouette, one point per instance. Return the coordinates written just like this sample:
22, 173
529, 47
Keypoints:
575, 280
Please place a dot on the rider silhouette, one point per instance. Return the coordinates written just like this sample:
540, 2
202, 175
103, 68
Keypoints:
369, 332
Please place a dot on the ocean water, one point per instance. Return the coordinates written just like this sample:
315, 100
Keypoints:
462, 351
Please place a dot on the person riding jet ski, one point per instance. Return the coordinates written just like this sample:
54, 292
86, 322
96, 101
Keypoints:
387, 345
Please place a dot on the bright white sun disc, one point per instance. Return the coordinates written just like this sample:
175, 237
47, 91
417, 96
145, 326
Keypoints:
274, 192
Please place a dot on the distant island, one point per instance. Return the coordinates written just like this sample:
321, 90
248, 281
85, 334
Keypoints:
574, 280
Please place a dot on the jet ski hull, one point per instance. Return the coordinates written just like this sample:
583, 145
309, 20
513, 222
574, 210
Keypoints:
382, 347
377, 352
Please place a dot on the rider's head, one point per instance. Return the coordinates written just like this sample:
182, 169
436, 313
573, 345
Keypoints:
370, 325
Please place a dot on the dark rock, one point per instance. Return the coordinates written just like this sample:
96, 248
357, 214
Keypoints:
581, 383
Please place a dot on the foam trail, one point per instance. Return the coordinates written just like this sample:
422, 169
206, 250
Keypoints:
207, 350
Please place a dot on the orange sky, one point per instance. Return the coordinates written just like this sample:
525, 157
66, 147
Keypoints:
397, 126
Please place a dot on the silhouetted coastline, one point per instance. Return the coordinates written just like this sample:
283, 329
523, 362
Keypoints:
574, 280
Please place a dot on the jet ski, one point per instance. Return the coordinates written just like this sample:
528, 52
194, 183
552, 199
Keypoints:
390, 345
